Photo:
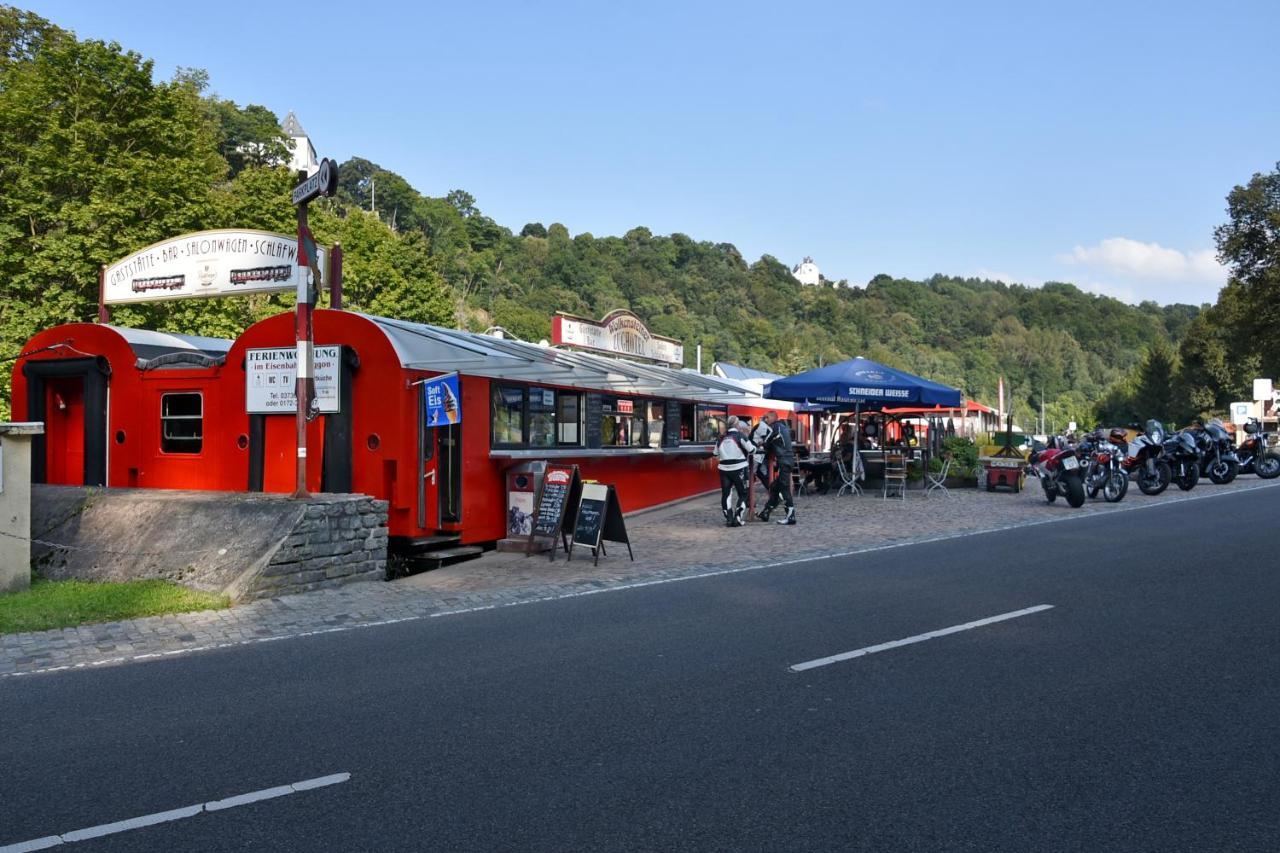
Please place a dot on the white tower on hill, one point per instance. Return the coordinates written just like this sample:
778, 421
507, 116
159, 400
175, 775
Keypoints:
304, 153
807, 272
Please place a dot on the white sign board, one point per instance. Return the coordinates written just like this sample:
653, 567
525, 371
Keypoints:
1240, 412
619, 333
208, 263
270, 374
1262, 389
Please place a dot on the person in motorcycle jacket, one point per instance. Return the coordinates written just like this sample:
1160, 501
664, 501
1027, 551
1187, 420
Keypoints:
780, 451
759, 436
733, 455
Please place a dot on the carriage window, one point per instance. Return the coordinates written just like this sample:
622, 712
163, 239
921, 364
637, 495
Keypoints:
507, 403
542, 417
181, 423
569, 415
711, 422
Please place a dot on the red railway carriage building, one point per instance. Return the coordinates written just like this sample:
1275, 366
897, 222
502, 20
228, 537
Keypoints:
126, 407
121, 407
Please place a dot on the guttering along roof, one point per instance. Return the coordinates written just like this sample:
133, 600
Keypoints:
423, 347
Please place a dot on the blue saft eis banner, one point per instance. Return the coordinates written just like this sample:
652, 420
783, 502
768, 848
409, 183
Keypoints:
443, 401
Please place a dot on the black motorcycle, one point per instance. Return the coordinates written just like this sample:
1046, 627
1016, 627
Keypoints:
1184, 459
1217, 453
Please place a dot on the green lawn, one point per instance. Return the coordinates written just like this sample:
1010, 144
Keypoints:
61, 604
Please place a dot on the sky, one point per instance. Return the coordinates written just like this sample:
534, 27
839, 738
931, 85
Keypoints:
1091, 142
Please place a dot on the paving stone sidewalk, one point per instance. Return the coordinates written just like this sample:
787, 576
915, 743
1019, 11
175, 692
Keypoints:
685, 540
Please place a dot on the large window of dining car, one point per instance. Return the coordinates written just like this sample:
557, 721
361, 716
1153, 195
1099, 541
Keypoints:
622, 422
542, 417
712, 421
507, 415
570, 418
657, 421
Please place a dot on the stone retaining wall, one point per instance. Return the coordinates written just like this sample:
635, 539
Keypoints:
242, 545
334, 542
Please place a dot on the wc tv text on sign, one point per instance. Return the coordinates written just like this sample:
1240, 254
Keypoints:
270, 376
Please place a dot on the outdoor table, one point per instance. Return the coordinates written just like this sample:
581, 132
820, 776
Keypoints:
817, 465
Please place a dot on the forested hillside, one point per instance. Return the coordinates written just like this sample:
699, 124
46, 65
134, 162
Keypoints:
97, 159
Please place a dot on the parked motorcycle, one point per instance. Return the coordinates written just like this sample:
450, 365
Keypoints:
1103, 471
1058, 469
1217, 454
1256, 454
1184, 459
1142, 458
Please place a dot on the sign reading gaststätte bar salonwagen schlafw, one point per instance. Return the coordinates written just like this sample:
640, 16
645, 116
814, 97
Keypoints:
208, 263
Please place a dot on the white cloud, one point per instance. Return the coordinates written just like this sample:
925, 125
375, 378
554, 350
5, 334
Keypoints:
1133, 258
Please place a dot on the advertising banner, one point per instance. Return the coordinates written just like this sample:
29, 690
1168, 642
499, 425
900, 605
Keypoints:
443, 401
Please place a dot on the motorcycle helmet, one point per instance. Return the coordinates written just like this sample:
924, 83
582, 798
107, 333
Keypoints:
1251, 427
1118, 436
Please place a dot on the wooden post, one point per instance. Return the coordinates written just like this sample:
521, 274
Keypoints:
104, 316
335, 277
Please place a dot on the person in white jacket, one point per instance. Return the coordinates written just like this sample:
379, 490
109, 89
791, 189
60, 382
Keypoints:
733, 455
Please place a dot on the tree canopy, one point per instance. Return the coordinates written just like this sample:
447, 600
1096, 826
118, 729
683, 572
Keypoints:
98, 158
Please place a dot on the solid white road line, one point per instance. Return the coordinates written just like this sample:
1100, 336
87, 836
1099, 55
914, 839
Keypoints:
173, 814
919, 638
462, 611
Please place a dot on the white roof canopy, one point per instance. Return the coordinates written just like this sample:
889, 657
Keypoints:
423, 347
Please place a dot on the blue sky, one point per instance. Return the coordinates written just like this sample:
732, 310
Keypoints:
1085, 142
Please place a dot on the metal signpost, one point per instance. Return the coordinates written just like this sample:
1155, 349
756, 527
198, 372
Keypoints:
323, 182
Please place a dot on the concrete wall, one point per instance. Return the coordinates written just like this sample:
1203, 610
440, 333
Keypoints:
238, 544
15, 512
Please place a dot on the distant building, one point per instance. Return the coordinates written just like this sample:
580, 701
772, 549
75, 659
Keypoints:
807, 272
304, 153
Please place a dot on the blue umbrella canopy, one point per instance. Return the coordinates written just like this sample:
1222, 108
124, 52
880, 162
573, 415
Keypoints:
861, 381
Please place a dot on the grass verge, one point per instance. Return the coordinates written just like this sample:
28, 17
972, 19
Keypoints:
63, 604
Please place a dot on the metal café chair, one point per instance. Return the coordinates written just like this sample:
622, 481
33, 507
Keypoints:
848, 483
895, 475
937, 481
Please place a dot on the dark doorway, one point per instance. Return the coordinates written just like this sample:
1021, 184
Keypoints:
70, 397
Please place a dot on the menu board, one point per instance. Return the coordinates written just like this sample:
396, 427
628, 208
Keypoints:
591, 511
557, 486
671, 427
599, 519
594, 418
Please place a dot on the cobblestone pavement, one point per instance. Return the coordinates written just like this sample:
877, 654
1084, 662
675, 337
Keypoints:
686, 540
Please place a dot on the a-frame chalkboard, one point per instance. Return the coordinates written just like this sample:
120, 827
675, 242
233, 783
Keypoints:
558, 493
599, 520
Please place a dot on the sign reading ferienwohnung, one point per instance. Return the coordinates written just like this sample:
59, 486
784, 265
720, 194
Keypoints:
208, 263
269, 376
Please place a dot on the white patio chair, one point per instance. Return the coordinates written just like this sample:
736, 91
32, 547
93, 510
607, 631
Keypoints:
847, 481
937, 480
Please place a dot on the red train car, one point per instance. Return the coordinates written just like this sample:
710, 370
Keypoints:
197, 413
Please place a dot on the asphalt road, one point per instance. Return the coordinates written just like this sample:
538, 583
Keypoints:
1141, 712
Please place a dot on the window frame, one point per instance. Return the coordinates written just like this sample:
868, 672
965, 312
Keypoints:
165, 419
496, 388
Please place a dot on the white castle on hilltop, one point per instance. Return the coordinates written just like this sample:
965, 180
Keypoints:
303, 152
807, 272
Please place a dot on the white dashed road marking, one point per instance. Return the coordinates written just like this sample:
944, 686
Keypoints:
173, 814
918, 638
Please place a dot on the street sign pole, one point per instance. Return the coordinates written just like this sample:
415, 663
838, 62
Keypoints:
323, 182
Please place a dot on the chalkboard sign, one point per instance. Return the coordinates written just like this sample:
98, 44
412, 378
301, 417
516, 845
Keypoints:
671, 429
559, 491
599, 519
594, 430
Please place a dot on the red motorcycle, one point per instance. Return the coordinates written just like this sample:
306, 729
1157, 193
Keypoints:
1058, 469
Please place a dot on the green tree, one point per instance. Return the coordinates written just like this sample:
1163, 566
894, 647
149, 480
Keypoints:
1249, 243
1153, 395
96, 160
